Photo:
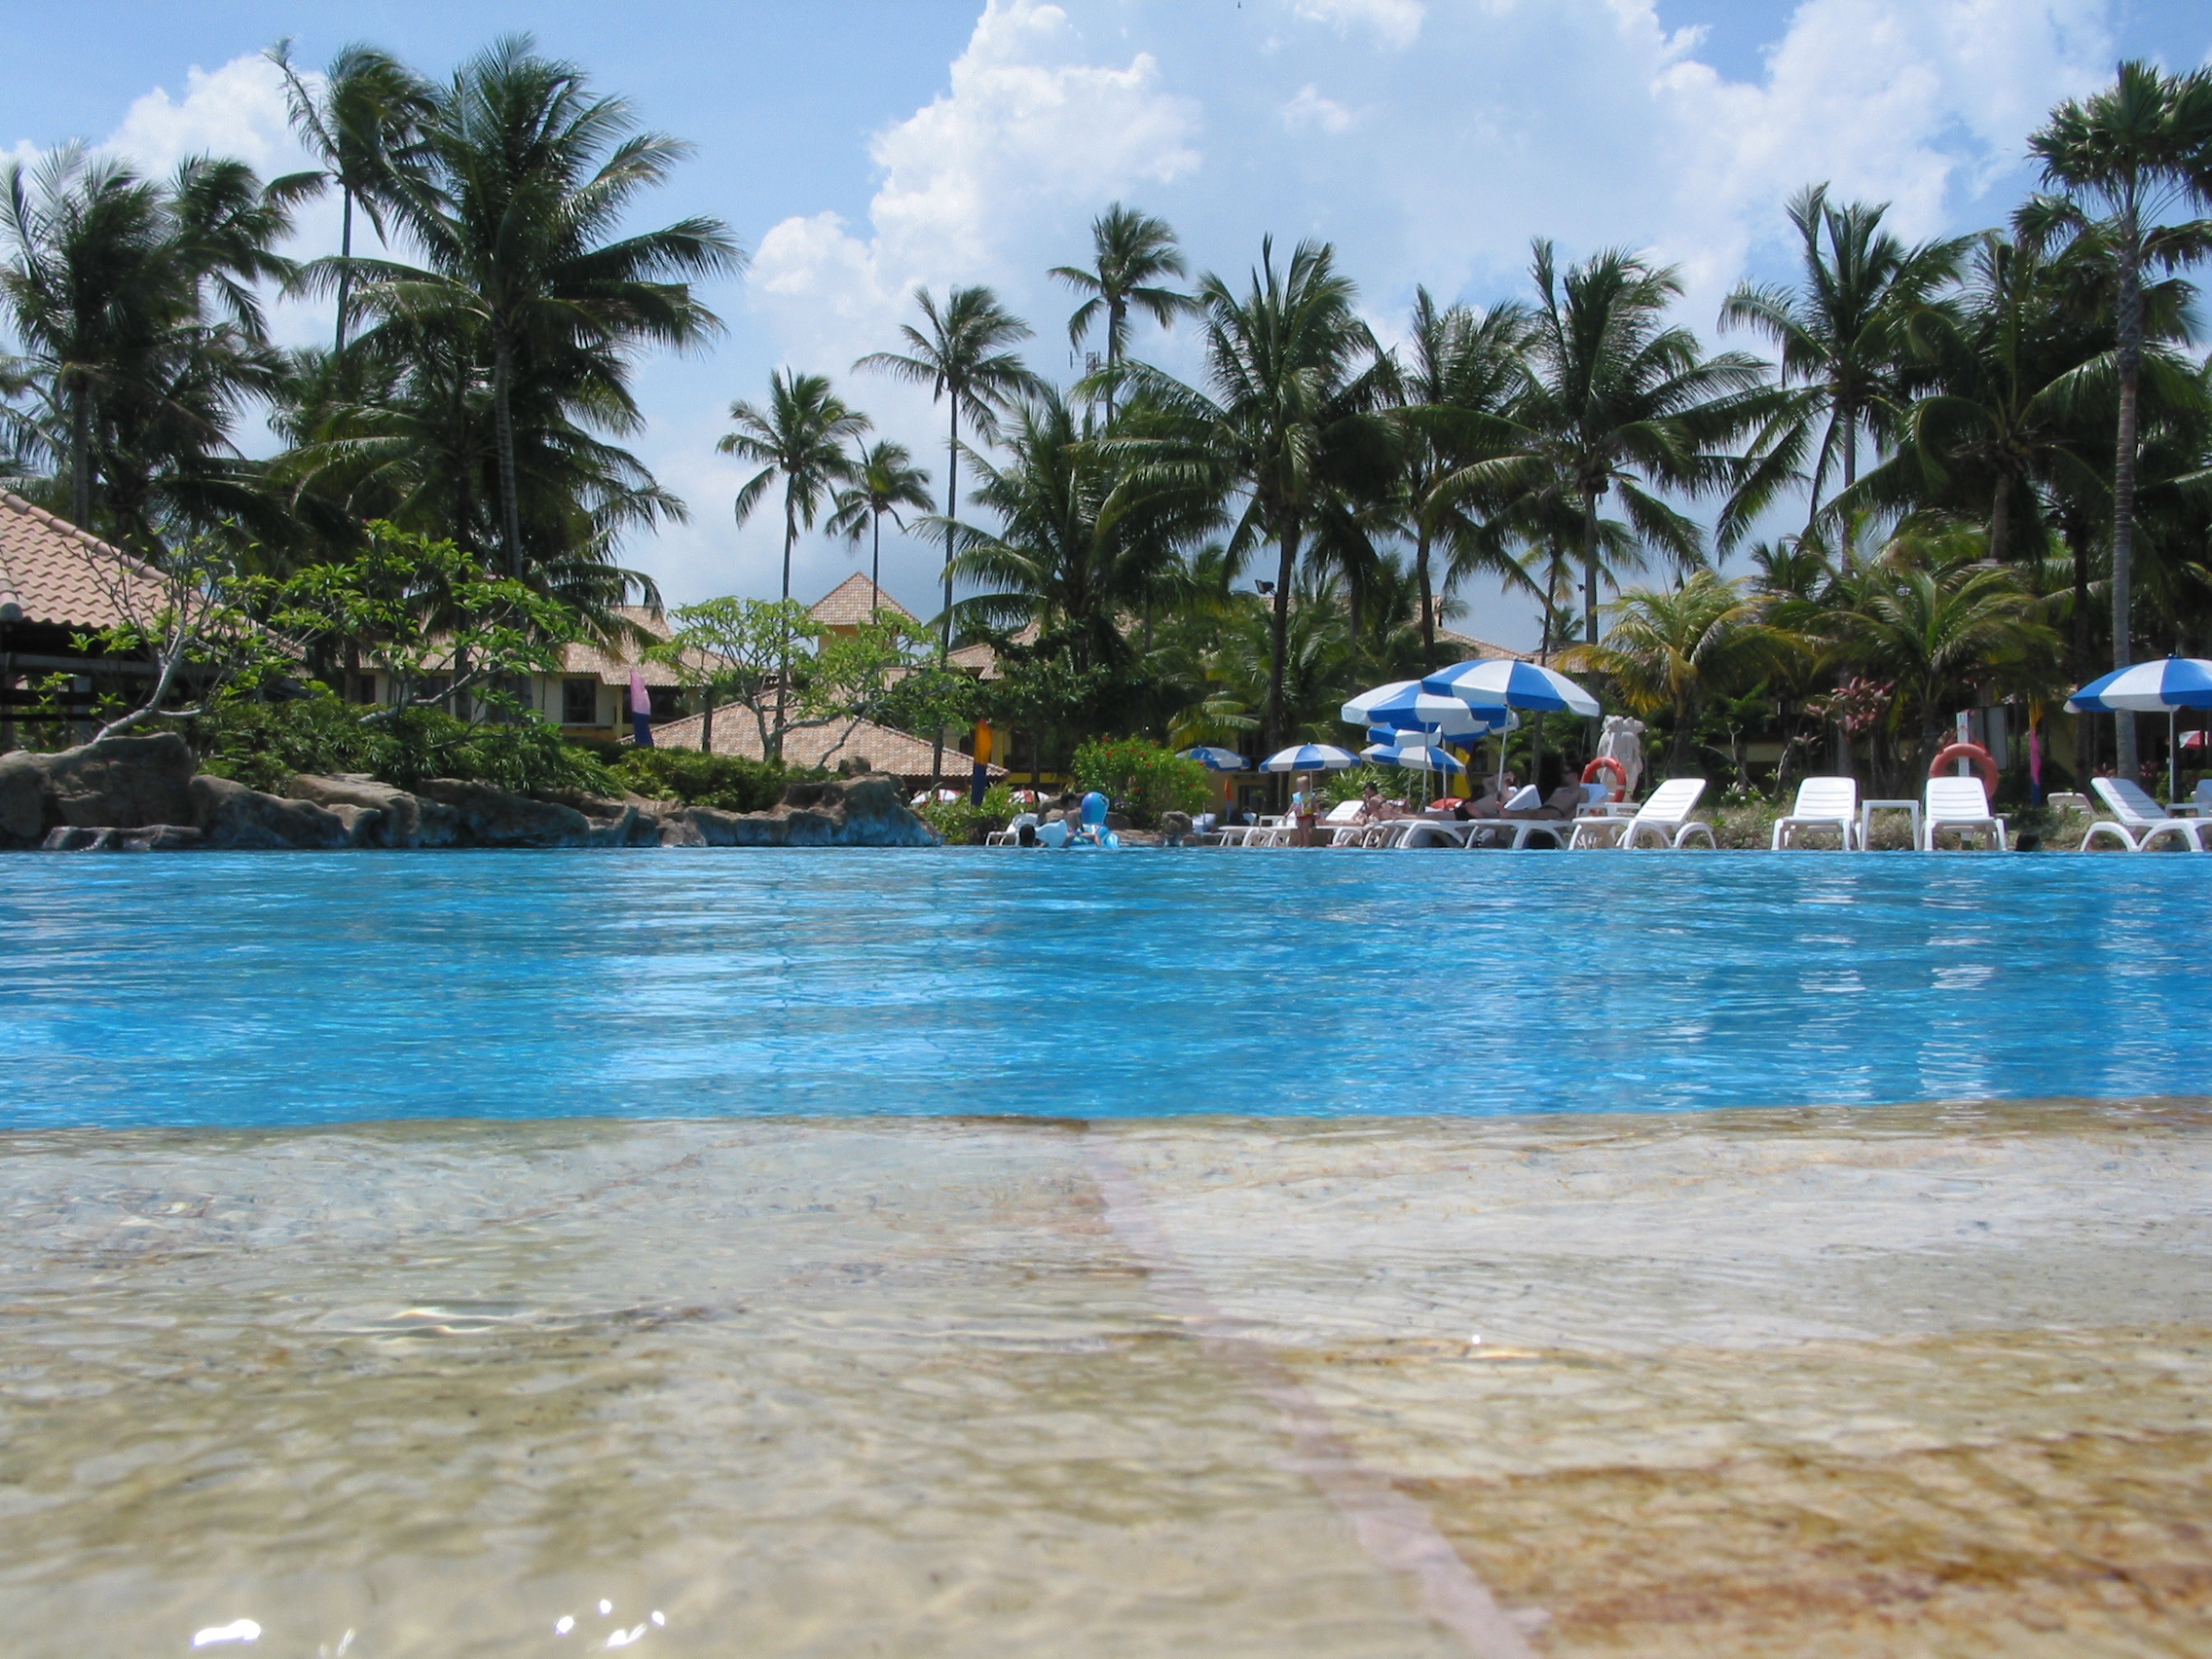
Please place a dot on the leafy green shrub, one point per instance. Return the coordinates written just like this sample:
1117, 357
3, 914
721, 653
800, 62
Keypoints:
1141, 779
730, 782
965, 826
261, 744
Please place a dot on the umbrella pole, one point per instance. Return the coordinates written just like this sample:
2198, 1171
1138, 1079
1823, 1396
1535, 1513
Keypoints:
2173, 759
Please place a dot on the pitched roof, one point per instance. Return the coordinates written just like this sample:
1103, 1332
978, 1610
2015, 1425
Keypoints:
52, 571
610, 662
1474, 647
854, 600
899, 752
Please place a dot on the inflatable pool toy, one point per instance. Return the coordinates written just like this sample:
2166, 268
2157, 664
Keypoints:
1093, 832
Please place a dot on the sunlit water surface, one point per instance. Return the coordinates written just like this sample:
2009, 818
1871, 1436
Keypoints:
252, 990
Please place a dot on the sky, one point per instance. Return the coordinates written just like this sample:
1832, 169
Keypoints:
860, 147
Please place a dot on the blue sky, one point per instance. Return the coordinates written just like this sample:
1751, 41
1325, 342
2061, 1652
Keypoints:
861, 146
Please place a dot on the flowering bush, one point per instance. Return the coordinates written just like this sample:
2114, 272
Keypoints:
1141, 779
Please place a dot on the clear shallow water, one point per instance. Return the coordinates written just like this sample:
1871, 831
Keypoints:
257, 989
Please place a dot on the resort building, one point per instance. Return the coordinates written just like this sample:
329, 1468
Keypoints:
60, 584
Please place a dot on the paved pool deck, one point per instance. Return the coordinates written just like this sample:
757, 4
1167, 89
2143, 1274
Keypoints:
1929, 1380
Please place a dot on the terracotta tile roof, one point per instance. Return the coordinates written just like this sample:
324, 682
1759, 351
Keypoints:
1474, 647
899, 752
983, 658
853, 601
610, 664
53, 572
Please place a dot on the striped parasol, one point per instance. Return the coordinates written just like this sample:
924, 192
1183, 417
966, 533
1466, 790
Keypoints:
1501, 682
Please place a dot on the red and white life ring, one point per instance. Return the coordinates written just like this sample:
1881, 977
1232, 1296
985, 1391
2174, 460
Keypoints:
1984, 763
1606, 763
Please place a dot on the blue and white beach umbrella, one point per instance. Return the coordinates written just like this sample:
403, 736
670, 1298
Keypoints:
2148, 687
1217, 760
1310, 758
1403, 705
2151, 687
1414, 755
1501, 682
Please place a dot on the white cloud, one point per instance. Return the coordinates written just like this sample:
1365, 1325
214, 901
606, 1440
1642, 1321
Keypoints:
1031, 140
238, 111
1310, 109
1394, 22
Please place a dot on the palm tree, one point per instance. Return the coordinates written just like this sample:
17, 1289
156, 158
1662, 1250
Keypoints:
1936, 617
965, 360
523, 175
1619, 402
135, 306
362, 125
1677, 649
1292, 376
1449, 402
1842, 332
2124, 159
1131, 251
801, 437
885, 479
1079, 549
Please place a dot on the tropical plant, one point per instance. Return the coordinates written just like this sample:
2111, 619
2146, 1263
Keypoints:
1141, 778
799, 437
361, 124
1079, 547
1287, 419
517, 200
1131, 252
135, 310
1842, 333
768, 659
1449, 396
1934, 617
963, 357
1619, 402
1677, 649
884, 479
2123, 159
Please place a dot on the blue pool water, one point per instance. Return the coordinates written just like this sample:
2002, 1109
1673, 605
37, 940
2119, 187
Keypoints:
255, 989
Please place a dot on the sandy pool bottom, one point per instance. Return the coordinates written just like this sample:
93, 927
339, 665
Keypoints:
1912, 1380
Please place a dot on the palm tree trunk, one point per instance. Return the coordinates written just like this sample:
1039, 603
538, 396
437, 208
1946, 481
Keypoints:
2124, 494
510, 510
1427, 601
1117, 311
945, 630
2085, 729
81, 457
344, 270
707, 723
876, 570
2001, 519
1589, 569
1279, 630
1850, 418
784, 666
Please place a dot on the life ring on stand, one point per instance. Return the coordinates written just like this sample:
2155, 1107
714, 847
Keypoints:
1606, 763
1984, 763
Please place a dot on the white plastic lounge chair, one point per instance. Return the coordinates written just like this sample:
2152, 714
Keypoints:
1961, 806
1514, 834
2198, 805
1664, 819
1822, 803
2138, 823
1414, 832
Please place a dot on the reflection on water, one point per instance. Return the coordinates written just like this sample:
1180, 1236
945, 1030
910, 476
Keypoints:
1926, 1380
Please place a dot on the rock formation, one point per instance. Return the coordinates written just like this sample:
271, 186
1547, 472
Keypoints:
141, 795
